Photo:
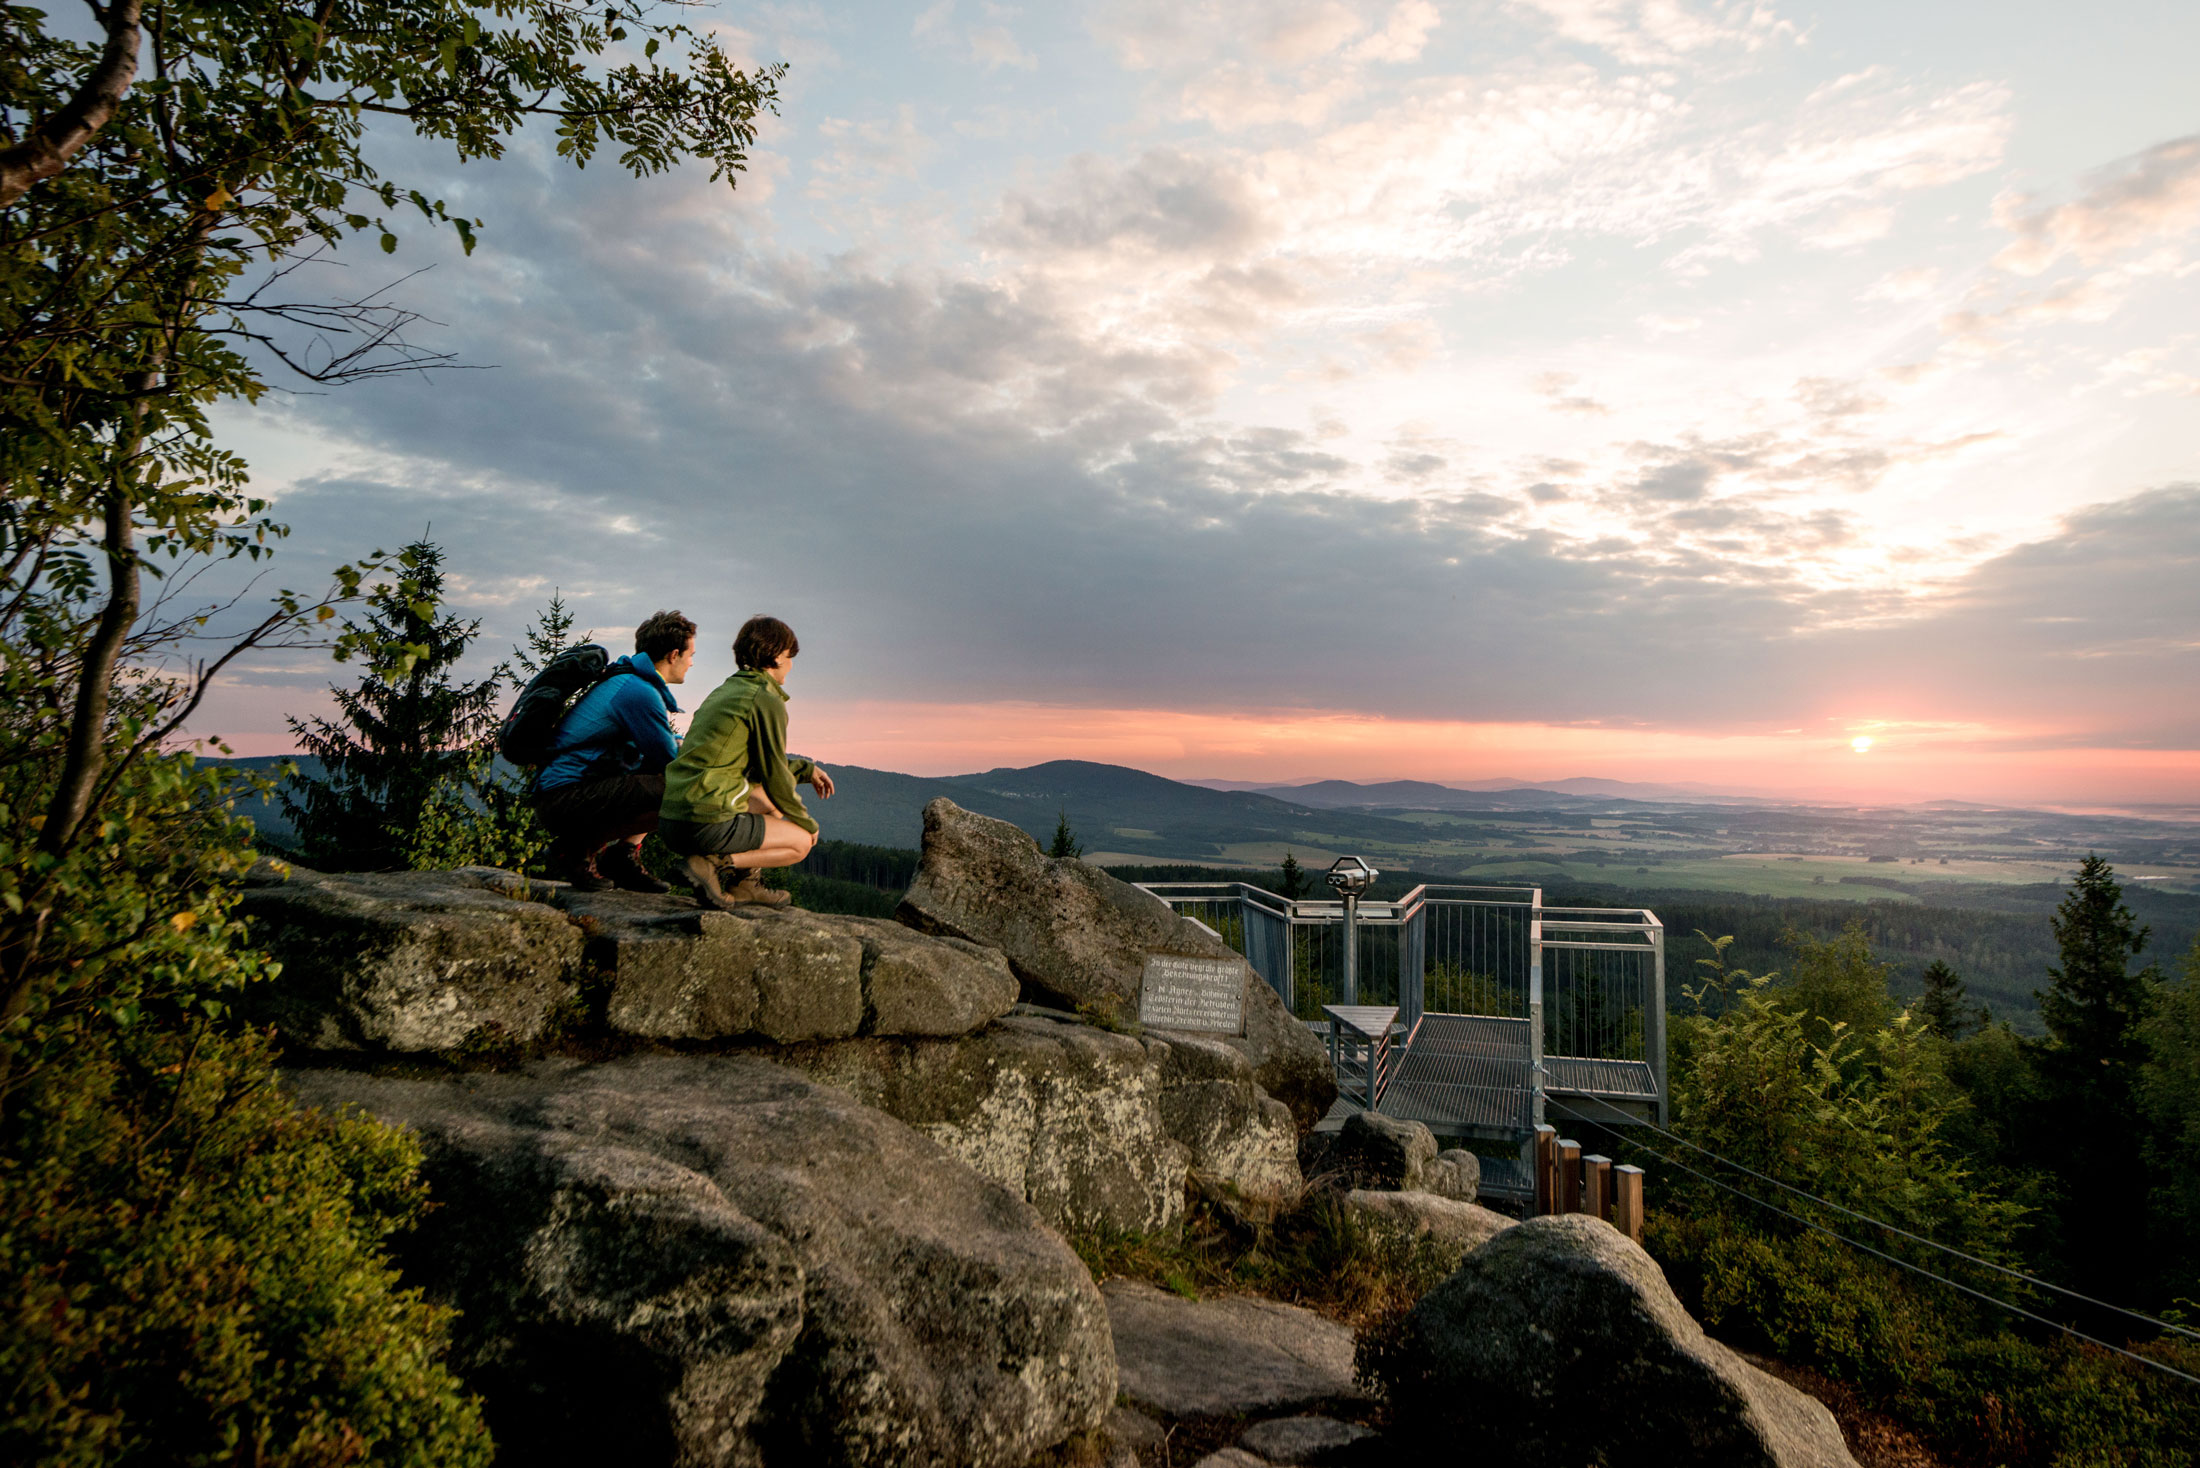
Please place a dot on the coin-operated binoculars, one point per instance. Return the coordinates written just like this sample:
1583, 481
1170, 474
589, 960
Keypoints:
1351, 877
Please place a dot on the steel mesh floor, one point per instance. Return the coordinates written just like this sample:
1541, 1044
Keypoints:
1620, 1079
1471, 1071
1463, 1070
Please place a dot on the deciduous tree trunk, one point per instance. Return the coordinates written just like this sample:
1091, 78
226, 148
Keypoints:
49, 146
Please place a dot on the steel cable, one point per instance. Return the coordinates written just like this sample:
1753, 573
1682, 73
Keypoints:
2002, 1269
1901, 1263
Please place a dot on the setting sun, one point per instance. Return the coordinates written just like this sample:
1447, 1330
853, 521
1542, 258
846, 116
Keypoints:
1862, 744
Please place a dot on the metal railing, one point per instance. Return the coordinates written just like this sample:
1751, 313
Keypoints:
1590, 982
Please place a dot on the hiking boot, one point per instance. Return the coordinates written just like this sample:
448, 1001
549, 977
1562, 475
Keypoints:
702, 875
579, 872
751, 888
622, 864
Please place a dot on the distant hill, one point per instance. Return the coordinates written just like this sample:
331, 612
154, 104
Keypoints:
1425, 795
1482, 794
1109, 806
1526, 834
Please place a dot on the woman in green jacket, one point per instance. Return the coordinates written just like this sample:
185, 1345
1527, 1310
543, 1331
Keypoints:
730, 798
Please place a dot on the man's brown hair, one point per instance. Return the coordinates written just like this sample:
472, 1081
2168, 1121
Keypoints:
762, 641
663, 635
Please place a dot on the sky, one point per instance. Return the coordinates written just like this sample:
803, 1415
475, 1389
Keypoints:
1276, 390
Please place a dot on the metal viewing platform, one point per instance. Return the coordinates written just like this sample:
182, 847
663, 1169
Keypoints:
1477, 1011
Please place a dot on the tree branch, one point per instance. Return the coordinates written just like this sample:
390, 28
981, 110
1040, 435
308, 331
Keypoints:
50, 145
80, 765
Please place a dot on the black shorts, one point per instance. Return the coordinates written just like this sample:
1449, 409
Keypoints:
730, 837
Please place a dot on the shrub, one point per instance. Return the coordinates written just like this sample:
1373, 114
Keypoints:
138, 924
193, 1267
197, 1271
1863, 1119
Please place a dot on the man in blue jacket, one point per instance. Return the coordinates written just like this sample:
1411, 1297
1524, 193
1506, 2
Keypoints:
598, 795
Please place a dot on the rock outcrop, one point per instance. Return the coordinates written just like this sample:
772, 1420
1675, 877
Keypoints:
1451, 1228
428, 962
1091, 1127
1456, 1173
713, 1260
1230, 1357
1078, 938
1372, 1150
1556, 1314
675, 972
408, 962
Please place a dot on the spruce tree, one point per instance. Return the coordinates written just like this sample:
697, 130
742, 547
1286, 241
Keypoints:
1291, 883
2095, 1004
406, 729
551, 635
1945, 1006
2095, 1010
1066, 843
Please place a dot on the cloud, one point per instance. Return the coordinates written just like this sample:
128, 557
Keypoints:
2087, 630
993, 47
1186, 34
1165, 201
1403, 36
1557, 388
2139, 200
1652, 31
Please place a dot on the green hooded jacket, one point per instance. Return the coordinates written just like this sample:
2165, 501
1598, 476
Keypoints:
739, 735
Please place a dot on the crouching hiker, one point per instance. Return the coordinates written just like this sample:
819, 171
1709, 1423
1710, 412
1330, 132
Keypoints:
599, 792
730, 798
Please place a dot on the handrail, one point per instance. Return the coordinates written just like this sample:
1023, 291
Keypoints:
1572, 938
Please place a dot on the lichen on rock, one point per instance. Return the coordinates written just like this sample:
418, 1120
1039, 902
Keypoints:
1079, 939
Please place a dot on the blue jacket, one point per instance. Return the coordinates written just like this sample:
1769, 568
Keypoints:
619, 727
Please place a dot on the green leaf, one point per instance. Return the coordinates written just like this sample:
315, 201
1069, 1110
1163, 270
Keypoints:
389, 243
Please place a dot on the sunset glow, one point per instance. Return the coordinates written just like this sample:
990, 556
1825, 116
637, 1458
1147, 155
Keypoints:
1717, 395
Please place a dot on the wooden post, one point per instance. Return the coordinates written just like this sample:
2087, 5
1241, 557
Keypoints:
1546, 1169
1627, 1201
1596, 1186
1569, 1175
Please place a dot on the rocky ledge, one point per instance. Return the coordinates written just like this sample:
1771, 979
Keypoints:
812, 1211
1095, 1129
423, 963
713, 1260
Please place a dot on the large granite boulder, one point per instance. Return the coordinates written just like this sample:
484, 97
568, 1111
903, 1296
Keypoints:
713, 1260
1236, 1356
408, 961
1456, 1173
1555, 1313
1448, 1227
1093, 1128
1372, 1150
673, 971
1078, 938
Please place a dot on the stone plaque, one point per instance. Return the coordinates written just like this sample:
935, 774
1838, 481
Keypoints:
1193, 994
